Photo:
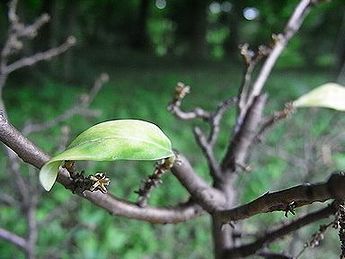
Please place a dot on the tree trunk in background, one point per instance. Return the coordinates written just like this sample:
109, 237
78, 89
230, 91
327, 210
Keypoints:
233, 21
49, 33
72, 28
197, 27
140, 40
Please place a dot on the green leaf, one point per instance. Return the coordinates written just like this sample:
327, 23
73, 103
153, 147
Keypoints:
111, 140
329, 95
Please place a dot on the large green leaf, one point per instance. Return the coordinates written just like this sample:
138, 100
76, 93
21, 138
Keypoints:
111, 140
329, 95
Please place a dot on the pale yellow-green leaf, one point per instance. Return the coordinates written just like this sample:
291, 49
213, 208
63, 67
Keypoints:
48, 174
330, 95
112, 140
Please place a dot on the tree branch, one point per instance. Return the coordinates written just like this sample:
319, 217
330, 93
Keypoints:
251, 58
297, 196
29, 153
238, 150
13, 238
81, 107
280, 41
216, 118
207, 150
209, 198
174, 107
271, 236
45, 55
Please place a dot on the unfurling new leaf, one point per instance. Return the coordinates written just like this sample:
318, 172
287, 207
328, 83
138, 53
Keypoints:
108, 141
329, 95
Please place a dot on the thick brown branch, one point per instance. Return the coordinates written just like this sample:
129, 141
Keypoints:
299, 195
209, 198
29, 153
269, 237
238, 150
13, 238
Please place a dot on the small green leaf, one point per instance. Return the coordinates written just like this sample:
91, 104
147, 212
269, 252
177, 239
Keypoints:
111, 140
329, 95
48, 174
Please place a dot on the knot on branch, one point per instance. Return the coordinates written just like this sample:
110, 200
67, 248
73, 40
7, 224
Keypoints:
252, 57
181, 90
290, 208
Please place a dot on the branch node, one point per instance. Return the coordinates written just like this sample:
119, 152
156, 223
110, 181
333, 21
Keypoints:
81, 183
153, 181
290, 208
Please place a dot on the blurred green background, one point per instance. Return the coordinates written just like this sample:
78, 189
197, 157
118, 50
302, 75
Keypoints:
146, 47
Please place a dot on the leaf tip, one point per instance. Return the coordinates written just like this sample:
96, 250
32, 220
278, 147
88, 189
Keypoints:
48, 174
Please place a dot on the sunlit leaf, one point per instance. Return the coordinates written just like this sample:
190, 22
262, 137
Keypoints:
329, 95
112, 140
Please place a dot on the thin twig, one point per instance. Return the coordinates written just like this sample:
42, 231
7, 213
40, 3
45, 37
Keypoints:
153, 181
316, 238
174, 107
251, 58
59, 210
80, 108
46, 55
272, 120
207, 150
216, 118
212, 118
13, 238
